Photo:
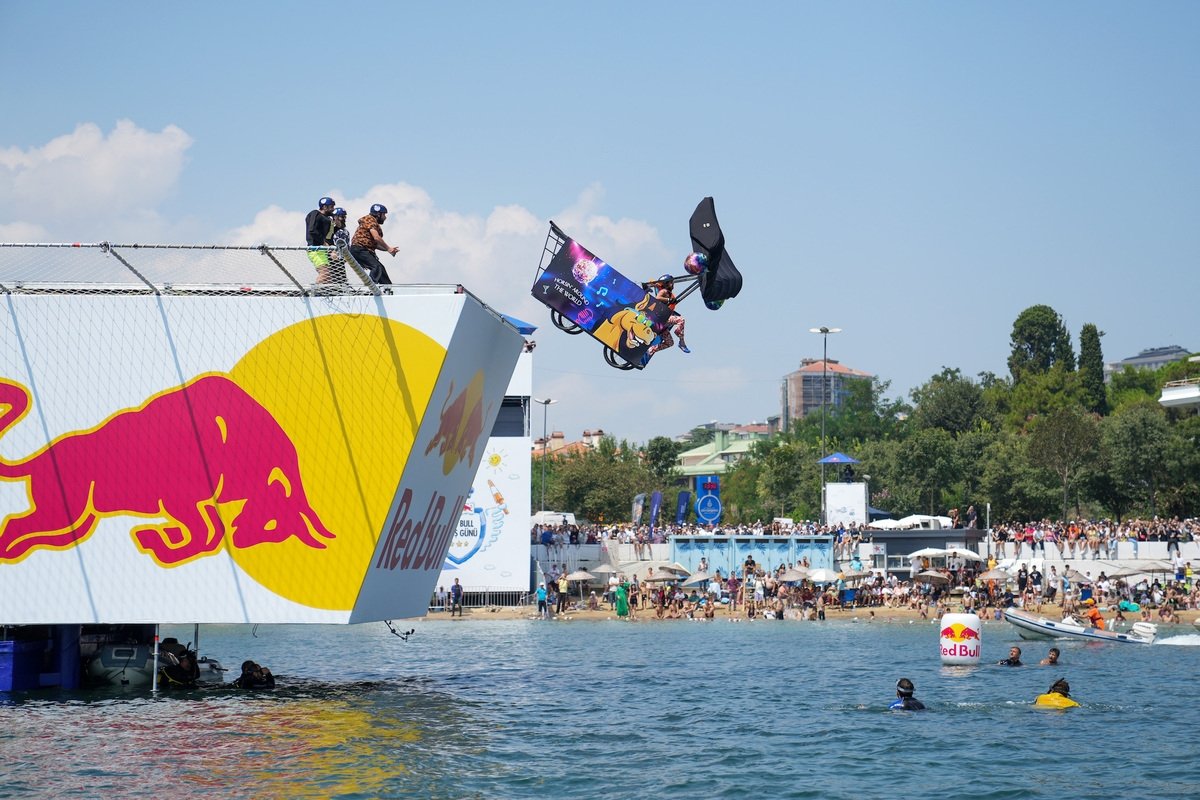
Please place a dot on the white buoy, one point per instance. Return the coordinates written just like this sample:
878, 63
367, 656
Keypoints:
961, 641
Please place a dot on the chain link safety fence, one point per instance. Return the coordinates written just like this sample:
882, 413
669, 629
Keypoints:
105, 268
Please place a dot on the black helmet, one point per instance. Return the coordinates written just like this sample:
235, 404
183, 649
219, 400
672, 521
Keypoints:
325, 202
905, 687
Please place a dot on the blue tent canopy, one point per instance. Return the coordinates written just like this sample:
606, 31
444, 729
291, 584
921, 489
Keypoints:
524, 327
838, 458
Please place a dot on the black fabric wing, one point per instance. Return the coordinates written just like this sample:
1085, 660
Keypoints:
721, 280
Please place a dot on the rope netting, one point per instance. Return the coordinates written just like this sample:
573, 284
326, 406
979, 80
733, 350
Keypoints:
113, 268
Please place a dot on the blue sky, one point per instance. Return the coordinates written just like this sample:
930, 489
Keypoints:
916, 174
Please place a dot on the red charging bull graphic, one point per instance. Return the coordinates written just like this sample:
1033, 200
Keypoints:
461, 425
174, 459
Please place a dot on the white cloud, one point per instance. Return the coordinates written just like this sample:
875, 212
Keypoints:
88, 184
494, 256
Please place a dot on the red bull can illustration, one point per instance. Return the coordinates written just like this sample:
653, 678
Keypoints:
960, 639
173, 462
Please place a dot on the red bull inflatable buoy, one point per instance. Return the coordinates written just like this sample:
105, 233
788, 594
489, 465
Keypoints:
961, 641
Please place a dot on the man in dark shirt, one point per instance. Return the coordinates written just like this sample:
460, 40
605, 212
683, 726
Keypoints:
317, 227
904, 697
1014, 658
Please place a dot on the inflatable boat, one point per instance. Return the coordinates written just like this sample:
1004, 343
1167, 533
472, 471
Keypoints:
1033, 627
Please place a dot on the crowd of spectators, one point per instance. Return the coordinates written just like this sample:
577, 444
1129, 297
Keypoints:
932, 587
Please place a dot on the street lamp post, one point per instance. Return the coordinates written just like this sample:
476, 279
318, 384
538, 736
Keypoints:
545, 442
824, 331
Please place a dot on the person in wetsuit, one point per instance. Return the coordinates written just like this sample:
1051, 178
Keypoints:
254, 677
1014, 658
904, 697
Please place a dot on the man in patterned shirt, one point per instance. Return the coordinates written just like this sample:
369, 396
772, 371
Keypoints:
369, 238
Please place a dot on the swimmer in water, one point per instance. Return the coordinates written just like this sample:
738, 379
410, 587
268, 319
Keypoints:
1059, 696
904, 697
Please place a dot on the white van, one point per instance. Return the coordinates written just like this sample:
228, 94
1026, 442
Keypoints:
552, 518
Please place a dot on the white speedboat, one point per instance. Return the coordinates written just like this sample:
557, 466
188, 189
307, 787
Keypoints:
1030, 626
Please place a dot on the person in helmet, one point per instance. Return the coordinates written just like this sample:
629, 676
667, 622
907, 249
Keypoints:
369, 238
904, 697
318, 227
338, 239
664, 291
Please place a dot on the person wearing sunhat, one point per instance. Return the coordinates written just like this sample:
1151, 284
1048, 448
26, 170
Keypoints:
1093, 614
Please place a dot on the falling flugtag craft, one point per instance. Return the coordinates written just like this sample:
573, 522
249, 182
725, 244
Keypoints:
632, 320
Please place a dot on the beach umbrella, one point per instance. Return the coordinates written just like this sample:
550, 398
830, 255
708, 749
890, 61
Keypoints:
995, 575
581, 575
929, 576
794, 574
604, 569
822, 575
1075, 576
660, 577
677, 568
855, 575
698, 579
927, 552
962, 552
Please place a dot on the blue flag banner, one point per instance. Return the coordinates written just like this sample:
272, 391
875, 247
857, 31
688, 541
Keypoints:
681, 507
639, 502
655, 507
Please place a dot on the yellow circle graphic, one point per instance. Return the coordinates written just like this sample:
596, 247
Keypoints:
349, 391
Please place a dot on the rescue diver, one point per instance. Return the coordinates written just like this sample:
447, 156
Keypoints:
904, 697
254, 677
1059, 696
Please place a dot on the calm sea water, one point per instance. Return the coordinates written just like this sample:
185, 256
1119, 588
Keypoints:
521, 709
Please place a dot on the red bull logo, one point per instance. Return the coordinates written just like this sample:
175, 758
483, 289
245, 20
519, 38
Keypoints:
176, 459
461, 425
959, 640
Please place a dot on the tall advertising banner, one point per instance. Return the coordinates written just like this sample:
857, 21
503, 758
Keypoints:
490, 549
639, 505
655, 507
708, 499
681, 507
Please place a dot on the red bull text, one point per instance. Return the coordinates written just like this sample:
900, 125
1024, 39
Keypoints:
420, 545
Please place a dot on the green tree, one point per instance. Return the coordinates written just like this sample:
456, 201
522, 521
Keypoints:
948, 401
1015, 488
1064, 443
1042, 394
926, 460
597, 482
789, 482
1136, 437
1132, 387
698, 437
739, 492
863, 415
660, 454
1039, 341
1091, 370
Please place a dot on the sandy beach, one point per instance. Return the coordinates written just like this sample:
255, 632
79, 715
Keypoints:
884, 616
